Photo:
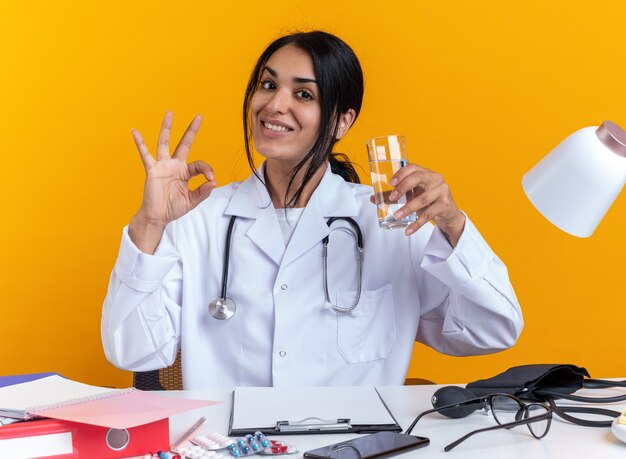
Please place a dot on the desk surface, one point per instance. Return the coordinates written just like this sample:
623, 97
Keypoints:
405, 402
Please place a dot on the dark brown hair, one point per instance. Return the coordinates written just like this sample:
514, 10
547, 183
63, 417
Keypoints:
340, 81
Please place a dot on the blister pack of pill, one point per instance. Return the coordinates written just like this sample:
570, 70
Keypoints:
277, 448
212, 441
190, 451
224, 446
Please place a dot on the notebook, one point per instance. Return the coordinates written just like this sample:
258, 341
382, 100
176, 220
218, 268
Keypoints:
60, 398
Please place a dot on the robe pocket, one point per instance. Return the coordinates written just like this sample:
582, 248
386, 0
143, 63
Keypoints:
369, 331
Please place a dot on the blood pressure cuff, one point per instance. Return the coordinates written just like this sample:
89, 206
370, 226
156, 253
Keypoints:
528, 381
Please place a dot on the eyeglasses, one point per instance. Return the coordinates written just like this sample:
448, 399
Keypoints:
508, 411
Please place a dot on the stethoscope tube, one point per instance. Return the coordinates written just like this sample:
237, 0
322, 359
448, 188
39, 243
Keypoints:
224, 308
229, 234
359, 242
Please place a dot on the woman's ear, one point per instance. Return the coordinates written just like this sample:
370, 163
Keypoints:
345, 121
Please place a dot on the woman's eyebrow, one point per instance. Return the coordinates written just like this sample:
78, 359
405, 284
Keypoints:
274, 73
303, 80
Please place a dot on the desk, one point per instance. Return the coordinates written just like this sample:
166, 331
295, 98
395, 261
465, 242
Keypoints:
405, 402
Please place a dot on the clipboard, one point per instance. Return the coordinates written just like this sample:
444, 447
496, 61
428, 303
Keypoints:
309, 410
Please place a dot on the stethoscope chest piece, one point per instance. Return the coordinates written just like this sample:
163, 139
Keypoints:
222, 308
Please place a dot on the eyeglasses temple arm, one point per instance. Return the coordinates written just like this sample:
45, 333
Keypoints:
419, 416
466, 436
508, 425
441, 408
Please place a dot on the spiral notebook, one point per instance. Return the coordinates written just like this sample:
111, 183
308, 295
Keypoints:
60, 398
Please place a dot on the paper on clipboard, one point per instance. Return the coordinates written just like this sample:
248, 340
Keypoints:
261, 408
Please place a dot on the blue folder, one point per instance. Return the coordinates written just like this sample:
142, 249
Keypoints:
17, 379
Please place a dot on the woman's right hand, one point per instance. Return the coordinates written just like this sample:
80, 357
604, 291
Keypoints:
166, 195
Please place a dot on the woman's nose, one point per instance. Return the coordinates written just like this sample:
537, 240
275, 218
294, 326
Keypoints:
279, 102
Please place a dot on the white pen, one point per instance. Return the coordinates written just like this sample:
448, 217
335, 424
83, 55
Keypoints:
188, 433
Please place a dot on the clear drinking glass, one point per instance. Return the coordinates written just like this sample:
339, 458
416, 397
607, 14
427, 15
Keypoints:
387, 154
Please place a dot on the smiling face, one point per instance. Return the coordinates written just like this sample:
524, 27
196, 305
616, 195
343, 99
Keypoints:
285, 109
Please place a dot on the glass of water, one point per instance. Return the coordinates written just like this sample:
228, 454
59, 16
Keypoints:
387, 154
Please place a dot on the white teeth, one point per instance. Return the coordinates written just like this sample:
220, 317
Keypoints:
274, 127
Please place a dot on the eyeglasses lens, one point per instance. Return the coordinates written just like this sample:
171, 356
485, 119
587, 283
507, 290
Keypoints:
539, 427
505, 409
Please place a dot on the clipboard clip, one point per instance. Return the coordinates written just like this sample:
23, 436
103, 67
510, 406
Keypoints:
319, 425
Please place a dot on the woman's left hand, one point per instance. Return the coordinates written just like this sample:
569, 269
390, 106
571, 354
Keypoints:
429, 195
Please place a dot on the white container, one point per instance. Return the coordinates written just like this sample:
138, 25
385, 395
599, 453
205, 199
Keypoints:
619, 430
576, 183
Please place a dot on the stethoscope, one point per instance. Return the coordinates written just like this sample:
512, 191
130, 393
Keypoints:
224, 308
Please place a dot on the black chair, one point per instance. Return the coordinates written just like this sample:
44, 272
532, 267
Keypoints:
168, 378
417, 381
171, 378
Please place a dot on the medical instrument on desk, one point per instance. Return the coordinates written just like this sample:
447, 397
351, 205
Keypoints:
549, 383
223, 308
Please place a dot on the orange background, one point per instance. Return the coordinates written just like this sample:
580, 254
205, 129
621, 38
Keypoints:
482, 90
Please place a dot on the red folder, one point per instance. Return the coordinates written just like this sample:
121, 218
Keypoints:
53, 438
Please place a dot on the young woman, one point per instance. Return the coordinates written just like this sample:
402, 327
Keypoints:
296, 322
